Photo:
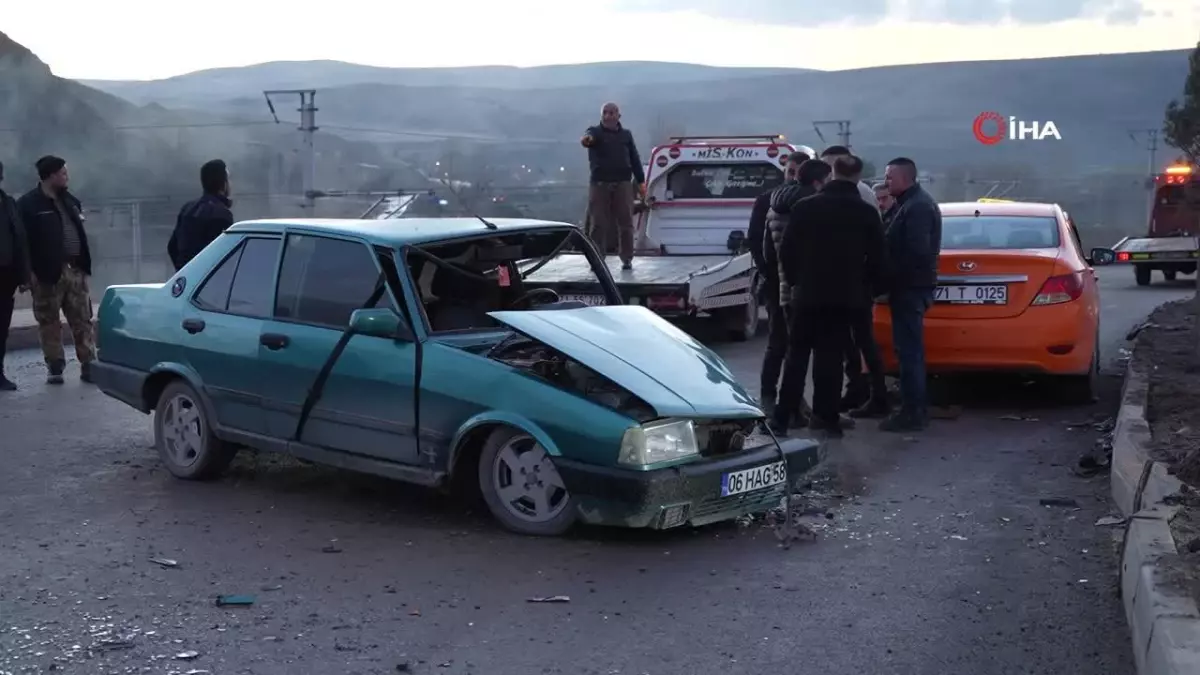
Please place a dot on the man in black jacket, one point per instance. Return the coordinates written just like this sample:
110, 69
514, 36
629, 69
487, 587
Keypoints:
832, 254
768, 290
203, 220
914, 241
14, 270
61, 262
614, 162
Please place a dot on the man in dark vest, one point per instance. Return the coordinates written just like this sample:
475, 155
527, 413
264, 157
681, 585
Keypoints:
61, 261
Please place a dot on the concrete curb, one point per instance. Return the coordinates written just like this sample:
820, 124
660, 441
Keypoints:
1165, 625
26, 337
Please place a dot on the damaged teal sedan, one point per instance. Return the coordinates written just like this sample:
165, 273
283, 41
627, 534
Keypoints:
423, 350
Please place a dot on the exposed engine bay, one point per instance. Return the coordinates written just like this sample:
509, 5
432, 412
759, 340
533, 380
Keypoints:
560, 370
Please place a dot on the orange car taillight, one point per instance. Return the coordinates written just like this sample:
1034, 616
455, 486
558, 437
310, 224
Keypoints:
1060, 289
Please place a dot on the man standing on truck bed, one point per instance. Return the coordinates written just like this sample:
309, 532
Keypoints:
614, 162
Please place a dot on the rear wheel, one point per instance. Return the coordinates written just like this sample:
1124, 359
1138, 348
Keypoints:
1169, 275
184, 436
1084, 389
742, 322
1141, 273
522, 487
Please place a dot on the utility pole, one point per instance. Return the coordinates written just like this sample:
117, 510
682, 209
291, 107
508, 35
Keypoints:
843, 130
308, 125
1151, 145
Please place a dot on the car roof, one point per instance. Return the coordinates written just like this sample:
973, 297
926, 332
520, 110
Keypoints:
999, 209
398, 232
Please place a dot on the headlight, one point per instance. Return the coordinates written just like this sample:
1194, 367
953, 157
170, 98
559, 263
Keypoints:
657, 442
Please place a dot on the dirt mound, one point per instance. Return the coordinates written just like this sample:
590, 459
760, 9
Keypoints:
1169, 352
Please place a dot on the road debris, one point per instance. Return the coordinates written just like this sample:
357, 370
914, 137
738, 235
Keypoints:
332, 548
958, 537
235, 600
1065, 502
553, 598
165, 562
1017, 418
187, 656
1108, 521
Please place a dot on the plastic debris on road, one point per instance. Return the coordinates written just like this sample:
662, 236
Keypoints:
551, 599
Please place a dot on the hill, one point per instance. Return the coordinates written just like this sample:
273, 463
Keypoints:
925, 111
201, 87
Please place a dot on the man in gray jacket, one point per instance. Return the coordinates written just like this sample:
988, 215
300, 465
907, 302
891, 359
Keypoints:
14, 270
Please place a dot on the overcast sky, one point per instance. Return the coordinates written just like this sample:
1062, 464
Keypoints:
142, 39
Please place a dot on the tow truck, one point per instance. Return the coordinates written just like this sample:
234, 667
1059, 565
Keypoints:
690, 233
1172, 245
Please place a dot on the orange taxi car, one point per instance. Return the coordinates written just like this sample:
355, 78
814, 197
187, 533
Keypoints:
1016, 293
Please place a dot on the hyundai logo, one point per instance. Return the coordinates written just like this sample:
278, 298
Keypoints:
966, 266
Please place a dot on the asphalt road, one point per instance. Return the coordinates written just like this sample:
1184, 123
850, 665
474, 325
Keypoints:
936, 557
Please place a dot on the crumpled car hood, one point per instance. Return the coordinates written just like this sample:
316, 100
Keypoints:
639, 350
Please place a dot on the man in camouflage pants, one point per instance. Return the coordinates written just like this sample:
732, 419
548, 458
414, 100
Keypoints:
62, 263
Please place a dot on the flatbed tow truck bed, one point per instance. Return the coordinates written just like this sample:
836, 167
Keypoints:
672, 286
1170, 255
647, 270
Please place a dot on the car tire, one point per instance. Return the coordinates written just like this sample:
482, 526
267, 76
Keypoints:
742, 322
1169, 275
184, 436
509, 456
1084, 389
1141, 274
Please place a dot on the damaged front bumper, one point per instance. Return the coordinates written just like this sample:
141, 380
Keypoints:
688, 494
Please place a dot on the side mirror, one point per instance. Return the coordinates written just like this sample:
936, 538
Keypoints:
379, 322
1102, 256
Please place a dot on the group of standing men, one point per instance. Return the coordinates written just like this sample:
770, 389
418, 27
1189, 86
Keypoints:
827, 246
44, 250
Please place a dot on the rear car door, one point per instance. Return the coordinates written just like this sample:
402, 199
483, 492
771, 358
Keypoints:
367, 405
222, 323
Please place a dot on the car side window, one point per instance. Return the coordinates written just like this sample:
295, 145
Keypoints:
214, 293
1075, 236
254, 281
323, 280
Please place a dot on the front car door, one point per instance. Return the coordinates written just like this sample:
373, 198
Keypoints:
367, 404
222, 323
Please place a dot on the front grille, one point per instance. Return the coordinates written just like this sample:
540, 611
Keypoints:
723, 437
749, 502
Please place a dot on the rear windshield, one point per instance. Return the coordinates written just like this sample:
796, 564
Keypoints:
999, 232
1178, 195
722, 181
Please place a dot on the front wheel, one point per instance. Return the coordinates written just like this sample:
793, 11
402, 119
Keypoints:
522, 487
1169, 275
184, 436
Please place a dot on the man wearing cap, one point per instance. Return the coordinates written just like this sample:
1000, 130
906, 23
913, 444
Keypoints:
61, 262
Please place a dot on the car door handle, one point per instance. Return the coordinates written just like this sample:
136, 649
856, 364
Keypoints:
273, 341
193, 326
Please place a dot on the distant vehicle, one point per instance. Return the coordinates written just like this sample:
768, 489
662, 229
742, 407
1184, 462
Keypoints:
419, 349
691, 232
1172, 243
1015, 293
